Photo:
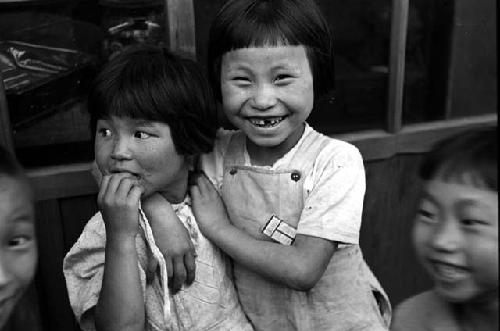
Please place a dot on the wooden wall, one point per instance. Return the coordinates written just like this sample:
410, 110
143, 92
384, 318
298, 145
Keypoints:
392, 191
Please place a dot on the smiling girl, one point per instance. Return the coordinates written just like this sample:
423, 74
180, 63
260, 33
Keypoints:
294, 197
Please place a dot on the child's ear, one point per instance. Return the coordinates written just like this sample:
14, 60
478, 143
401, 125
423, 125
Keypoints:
96, 173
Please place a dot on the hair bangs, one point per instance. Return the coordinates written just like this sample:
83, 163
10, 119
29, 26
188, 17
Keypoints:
135, 94
468, 172
257, 32
468, 158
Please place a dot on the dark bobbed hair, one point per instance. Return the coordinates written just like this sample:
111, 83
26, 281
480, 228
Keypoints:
465, 157
152, 83
9, 166
255, 23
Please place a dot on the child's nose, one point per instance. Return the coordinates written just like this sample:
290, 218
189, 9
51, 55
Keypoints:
121, 149
264, 97
447, 236
5, 275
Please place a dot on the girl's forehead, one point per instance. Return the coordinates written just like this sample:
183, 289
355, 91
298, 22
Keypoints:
285, 54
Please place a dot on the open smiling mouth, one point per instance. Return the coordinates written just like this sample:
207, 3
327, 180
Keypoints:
266, 122
448, 272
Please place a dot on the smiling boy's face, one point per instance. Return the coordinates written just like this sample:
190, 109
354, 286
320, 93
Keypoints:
456, 239
18, 249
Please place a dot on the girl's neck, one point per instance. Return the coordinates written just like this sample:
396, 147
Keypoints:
479, 316
268, 155
177, 190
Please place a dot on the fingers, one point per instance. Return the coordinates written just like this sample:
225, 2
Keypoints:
195, 192
179, 276
189, 262
170, 268
203, 186
204, 183
119, 188
102, 189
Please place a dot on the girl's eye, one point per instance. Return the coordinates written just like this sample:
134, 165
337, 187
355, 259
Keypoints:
241, 80
103, 132
471, 222
426, 216
282, 77
19, 241
141, 135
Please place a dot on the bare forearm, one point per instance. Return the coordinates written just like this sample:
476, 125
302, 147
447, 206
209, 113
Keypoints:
295, 266
121, 304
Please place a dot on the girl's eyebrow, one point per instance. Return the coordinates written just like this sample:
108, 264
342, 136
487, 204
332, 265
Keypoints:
466, 202
20, 216
428, 195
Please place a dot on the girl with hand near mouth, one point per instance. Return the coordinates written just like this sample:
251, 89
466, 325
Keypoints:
152, 114
455, 236
293, 196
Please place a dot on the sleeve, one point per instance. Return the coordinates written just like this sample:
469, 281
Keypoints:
334, 195
83, 269
212, 164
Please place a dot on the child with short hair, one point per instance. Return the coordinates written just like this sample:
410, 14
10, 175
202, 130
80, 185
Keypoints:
293, 196
18, 248
152, 114
456, 237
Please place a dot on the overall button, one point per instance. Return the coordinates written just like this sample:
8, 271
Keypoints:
295, 176
233, 171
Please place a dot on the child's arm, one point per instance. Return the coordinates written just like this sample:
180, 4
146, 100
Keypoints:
121, 301
298, 266
173, 240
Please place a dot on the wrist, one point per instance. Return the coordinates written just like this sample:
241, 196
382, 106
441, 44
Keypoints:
121, 240
219, 230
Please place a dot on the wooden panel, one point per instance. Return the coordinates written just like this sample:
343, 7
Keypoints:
397, 64
63, 181
389, 209
54, 304
472, 81
181, 25
415, 138
5, 128
75, 213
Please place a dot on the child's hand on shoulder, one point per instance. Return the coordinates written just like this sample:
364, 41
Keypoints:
118, 200
208, 207
173, 240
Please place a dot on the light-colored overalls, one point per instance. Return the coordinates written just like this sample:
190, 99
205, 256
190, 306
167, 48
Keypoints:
347, 297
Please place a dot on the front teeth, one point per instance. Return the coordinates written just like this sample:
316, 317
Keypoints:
266, 122
449, 272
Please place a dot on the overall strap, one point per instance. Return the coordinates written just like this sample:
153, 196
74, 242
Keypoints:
235, 153
308, 151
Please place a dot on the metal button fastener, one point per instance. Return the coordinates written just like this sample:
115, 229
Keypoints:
295, 176
233, 171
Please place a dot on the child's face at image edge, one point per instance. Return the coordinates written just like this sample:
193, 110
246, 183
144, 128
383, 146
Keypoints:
145, 150
267, 92
18, 249
456, 239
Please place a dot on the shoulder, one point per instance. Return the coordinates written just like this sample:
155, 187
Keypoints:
223, 138
426, 306
96, 225
93, 234
339, 152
